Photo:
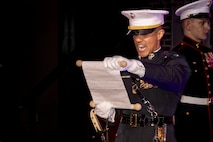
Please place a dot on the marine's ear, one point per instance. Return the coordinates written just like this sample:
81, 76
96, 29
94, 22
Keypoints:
186, 24
160, 34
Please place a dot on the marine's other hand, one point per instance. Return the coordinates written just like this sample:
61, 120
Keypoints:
132, 65
106, 111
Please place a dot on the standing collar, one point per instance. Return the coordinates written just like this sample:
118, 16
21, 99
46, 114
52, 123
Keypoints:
151, 55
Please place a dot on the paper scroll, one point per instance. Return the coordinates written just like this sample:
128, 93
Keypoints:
106, 85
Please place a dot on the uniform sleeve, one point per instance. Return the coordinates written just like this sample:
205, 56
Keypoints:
172, 75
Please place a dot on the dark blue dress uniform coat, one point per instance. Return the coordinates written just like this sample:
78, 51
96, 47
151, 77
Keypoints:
164, 80
194, 114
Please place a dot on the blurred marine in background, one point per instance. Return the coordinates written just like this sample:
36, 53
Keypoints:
195, 112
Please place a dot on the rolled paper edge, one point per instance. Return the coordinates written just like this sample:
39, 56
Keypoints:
79, 63
136, 106
122, 63
92, 104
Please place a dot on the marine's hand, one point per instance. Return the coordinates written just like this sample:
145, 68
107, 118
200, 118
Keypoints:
106, 111
133, 66
113, 63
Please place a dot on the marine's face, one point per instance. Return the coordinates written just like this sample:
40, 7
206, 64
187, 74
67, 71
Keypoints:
148, 43
199, 28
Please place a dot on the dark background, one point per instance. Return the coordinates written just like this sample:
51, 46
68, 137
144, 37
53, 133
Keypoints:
43, 93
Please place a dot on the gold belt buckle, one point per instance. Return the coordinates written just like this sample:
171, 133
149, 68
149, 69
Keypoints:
133, 119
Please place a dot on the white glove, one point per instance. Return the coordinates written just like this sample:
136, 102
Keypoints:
106, 111
133, 66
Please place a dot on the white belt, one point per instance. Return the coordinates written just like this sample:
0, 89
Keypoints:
195, 100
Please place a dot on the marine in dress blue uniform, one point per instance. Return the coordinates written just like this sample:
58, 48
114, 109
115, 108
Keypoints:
161, 90
156, 81
195, 112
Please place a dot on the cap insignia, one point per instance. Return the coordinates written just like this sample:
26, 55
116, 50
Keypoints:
209, 3
132, 15
190, 15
